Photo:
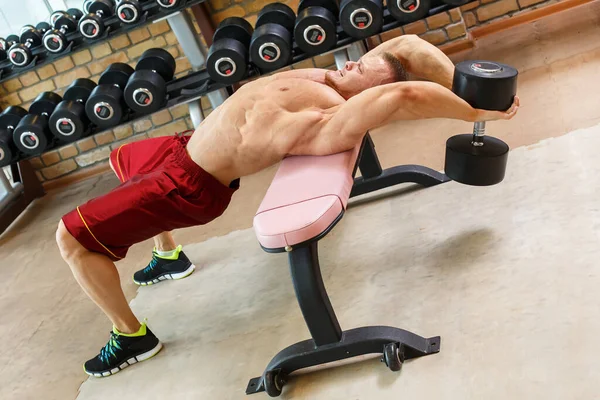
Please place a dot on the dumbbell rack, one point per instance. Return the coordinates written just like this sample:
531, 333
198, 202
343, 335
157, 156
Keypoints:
192, 87
151, 12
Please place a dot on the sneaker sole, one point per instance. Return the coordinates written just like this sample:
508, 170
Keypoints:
133, 360
179, 275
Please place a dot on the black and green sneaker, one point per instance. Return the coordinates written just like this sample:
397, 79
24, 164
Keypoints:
123, 350
177, 266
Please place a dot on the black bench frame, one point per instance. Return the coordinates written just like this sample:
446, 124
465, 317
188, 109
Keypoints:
329, 343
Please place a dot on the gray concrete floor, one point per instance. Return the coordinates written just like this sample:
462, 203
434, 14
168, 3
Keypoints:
510, 288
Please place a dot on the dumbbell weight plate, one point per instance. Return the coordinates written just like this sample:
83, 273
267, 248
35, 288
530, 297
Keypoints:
271, 47
271, 44
227, 61
476, 165
361, 18
116, 74
168, 3
31, 135
158, 60
330, 5
79, 90
69, 121
3, 55
12, 39
76, 13
8, 150
474, 81
234, 28
129, 11
277, 13
32, 36
26, 28
315, 30
147, 87
3, 44
43, 27
405, 11
45, 104
10, 118
55, 16
228, 56
105, 106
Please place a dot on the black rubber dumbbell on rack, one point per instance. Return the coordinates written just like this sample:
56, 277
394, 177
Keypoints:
405, 11
32, 135
106, 105
92, 25
130, 11
476, 159
361, 18
168, 4
315, 29
146, 90
227, 59
271, 43
55, 40
9, 119
69, 122
5, 44
20, 54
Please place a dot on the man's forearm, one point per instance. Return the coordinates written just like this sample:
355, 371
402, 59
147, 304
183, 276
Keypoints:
420, 58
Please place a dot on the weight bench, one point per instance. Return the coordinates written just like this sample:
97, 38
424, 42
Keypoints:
306, 199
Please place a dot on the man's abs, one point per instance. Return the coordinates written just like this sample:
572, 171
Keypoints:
259, 125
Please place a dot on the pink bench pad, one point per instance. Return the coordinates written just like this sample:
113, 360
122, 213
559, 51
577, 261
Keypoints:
306, 196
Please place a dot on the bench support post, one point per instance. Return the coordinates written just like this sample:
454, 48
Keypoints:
312, 296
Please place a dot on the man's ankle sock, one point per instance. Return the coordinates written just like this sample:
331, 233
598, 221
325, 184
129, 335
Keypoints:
140, 332
169, 255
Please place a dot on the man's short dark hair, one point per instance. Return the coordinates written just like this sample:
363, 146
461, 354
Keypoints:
398, 70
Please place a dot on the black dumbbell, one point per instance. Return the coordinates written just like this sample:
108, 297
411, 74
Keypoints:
9, 119
20, 54
476, 159
92, 25
130, 11
169, 3
227, 58
69, 122
106, 107
361, 18
5, 44
56, 40
146, 90
32, 135
315, 30
271, 44
405, 11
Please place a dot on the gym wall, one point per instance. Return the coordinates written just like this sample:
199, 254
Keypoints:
449, 30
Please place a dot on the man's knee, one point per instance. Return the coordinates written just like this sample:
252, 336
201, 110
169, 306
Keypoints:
69, 246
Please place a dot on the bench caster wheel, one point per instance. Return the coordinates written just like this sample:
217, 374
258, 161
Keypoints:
273, 383
393, 356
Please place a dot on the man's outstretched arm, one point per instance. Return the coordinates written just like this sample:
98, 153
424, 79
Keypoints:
419, 58
343, 126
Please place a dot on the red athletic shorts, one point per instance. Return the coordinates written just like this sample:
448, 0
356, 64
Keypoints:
162, 189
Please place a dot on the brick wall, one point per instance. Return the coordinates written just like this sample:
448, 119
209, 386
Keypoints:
441, 29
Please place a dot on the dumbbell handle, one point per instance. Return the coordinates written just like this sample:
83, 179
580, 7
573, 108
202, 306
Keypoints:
478, 133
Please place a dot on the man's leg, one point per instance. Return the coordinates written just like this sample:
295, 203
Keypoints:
164, 242
98, 277
130, 341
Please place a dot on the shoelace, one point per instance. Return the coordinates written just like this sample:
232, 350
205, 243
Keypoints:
109, 350
152, 264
